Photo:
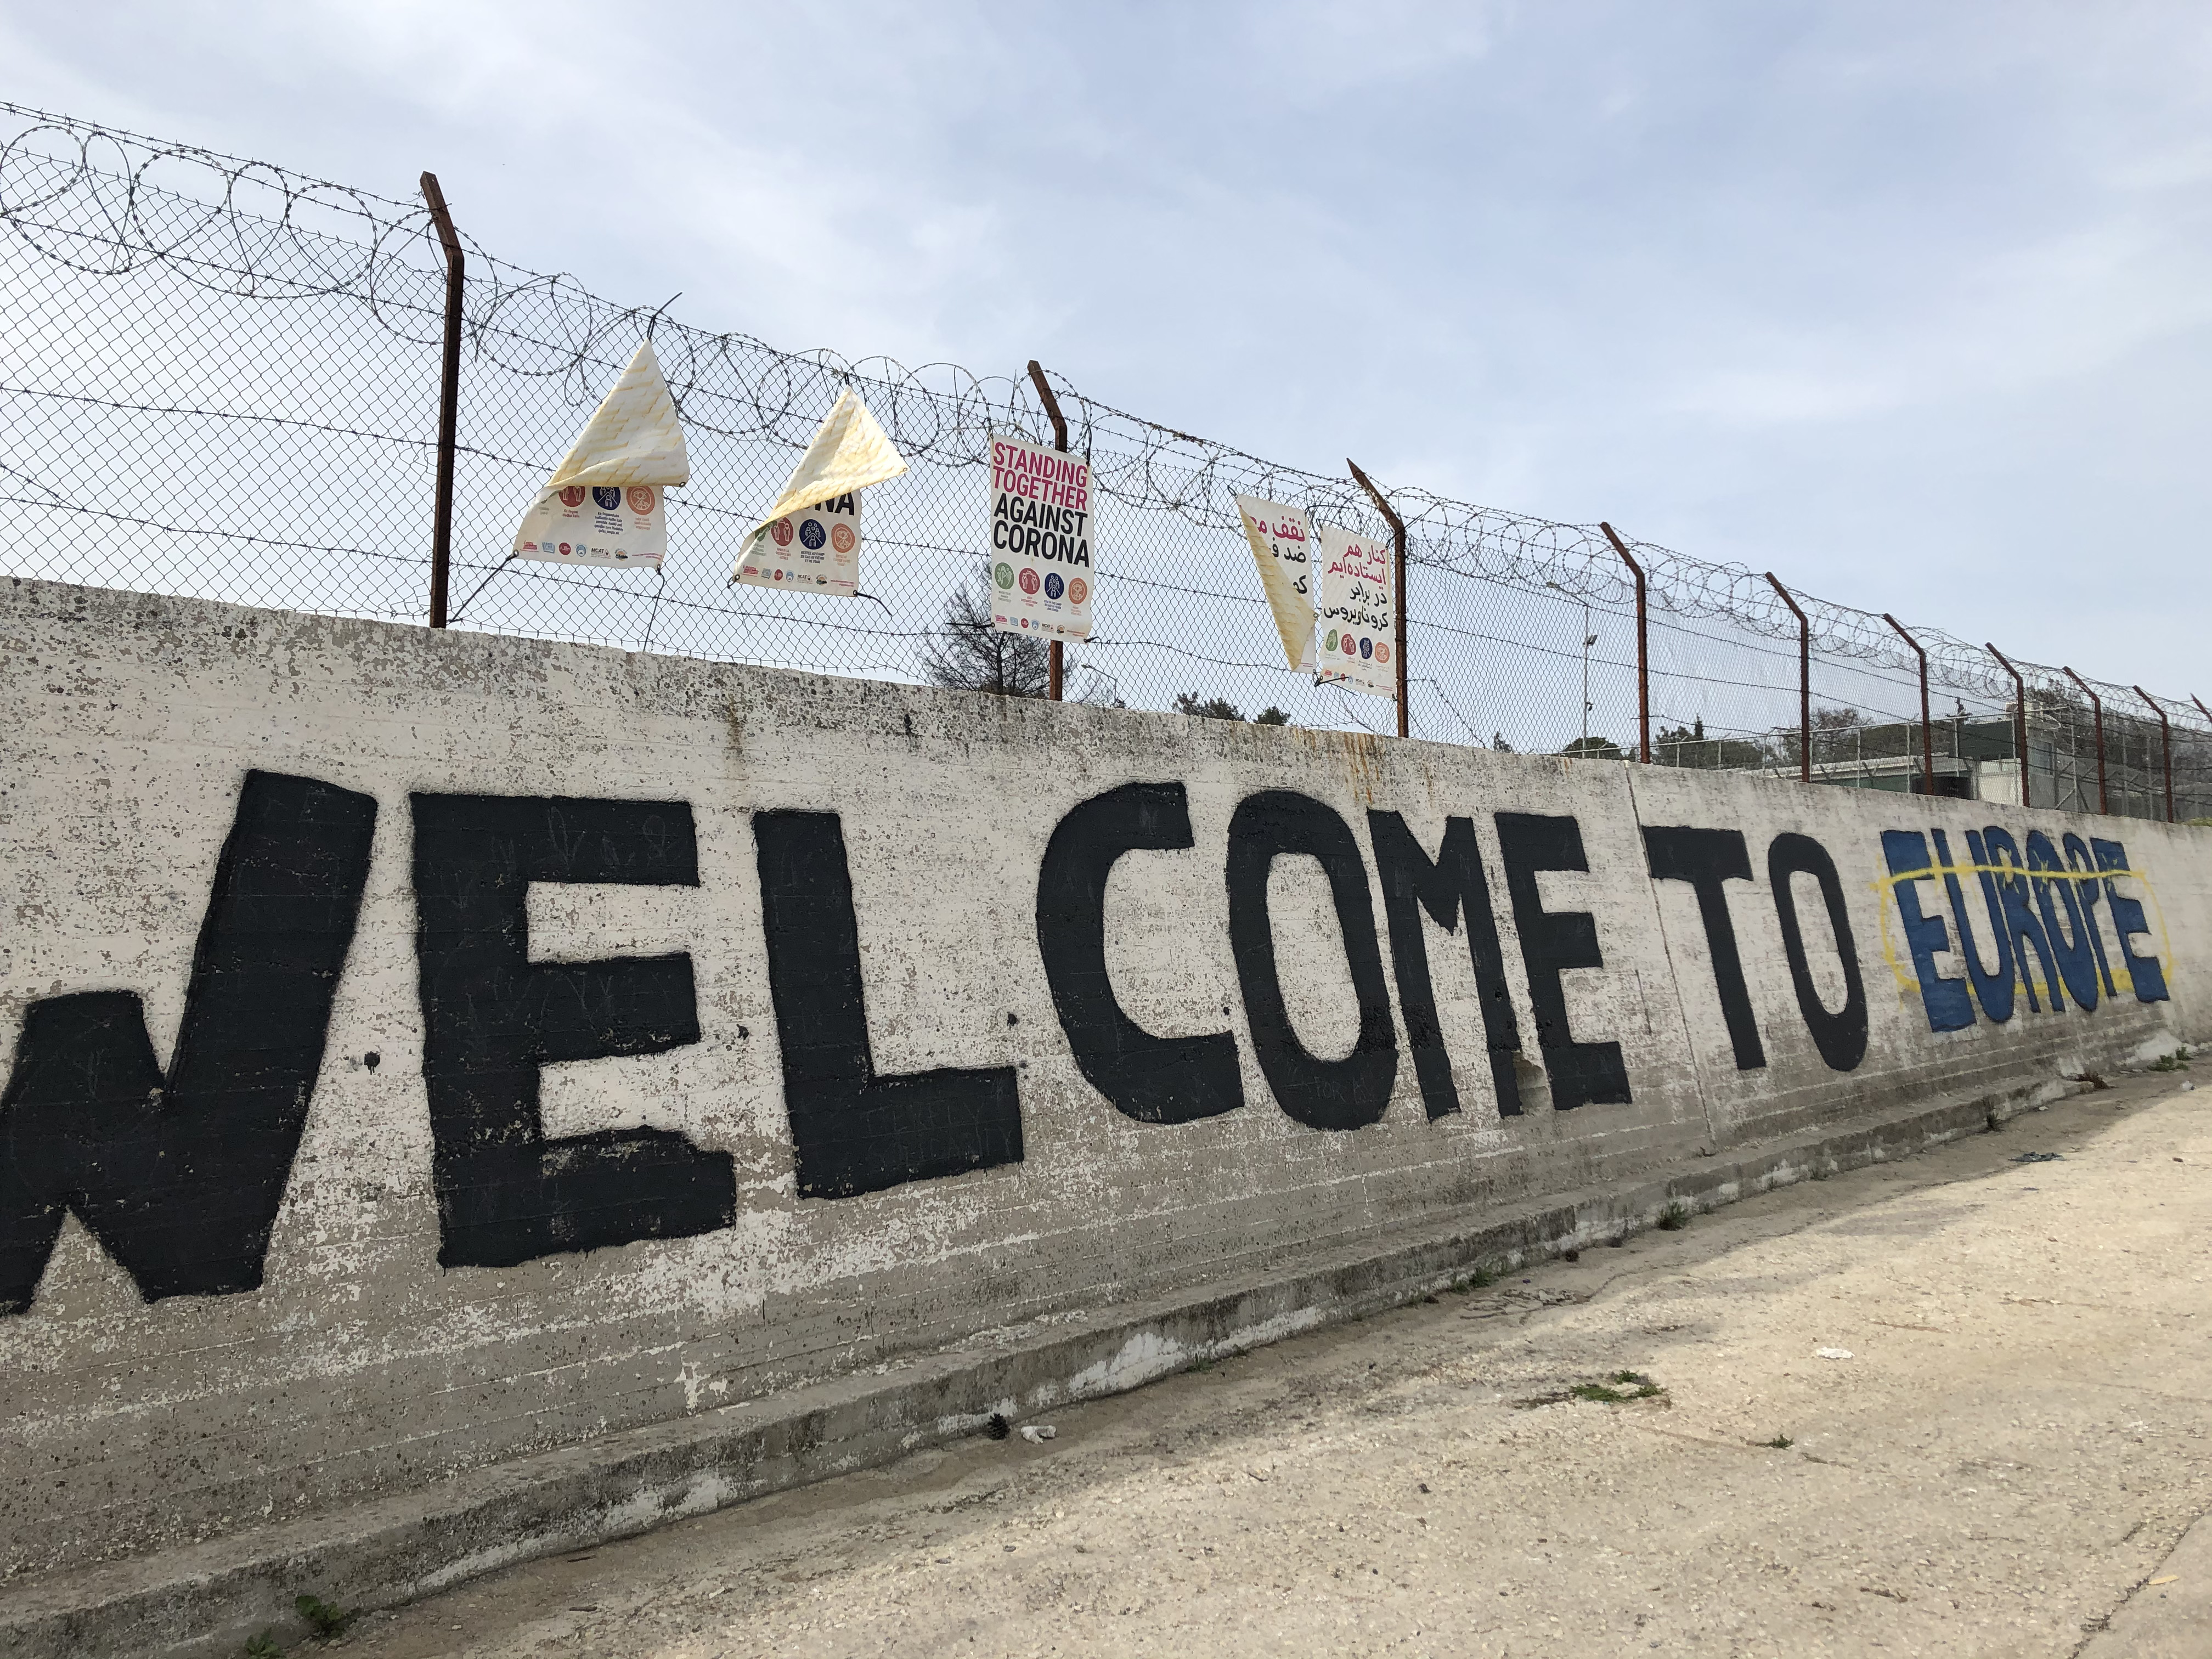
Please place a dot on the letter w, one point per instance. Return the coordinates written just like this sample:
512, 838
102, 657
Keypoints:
179, 1177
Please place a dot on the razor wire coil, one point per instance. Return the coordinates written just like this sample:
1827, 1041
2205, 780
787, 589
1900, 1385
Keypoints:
117, 243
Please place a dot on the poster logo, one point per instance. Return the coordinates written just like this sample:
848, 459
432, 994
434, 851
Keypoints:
1004, 576
781, 532
1053, 587
842, 537
1030, 583
605, 497
1382, 652
1366, 647
1078, 591
640, 498
573, 495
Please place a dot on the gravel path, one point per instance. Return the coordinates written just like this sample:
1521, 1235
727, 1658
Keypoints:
2003, 1465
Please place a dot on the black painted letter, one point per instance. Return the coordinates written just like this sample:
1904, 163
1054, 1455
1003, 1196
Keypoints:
1322, 1094
1841, 1037
1153, 1079
856, 1132
179, 1177
1453, 886
491, 1017
1583, 1073
1706, 859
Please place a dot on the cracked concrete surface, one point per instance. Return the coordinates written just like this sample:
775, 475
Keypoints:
2007, 1464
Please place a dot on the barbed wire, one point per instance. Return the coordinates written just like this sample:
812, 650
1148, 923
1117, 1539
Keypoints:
108, 203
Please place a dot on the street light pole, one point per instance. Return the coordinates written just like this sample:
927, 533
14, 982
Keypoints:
1588, 639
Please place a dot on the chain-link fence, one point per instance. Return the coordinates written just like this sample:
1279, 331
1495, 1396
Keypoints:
223, 380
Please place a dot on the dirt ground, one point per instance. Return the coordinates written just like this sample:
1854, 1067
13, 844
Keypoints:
2006, 1462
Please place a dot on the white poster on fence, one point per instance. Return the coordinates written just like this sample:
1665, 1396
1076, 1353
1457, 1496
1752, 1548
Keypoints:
1357, 613
605, 503
1281, 539
1041, 540
817, 548
811, 538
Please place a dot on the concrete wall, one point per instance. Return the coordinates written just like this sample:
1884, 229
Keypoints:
546, 1041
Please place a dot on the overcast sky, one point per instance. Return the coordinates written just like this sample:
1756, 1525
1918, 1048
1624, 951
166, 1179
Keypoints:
1911, 303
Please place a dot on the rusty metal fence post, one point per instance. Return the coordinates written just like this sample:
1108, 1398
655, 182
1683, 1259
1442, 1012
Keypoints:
2097, 713
1054, 674
2019, 718
1926, 726
1642, 647
1398, 534
449, 399
2165, 743
1804, 682
2207, 713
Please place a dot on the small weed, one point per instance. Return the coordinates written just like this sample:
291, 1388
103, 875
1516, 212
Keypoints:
1780, 1443
262, 1646
1616, 1389
328, 1622
1675, 1217
2176, 1061
1199, 1367
1621, 1385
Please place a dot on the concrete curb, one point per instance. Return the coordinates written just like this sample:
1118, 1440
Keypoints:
209, 1598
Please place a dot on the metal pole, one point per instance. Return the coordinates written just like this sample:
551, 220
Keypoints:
2207, 713
1059, 442
1642, 649
1804, 683
1588, 639
1398, 533
2019, 718
2165, 741
449, 402
1927, 727
2097, 709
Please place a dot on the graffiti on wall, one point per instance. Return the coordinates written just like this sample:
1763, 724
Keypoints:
2039, 924
178, 1175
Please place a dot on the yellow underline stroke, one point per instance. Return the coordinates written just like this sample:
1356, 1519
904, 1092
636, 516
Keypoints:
1909, 986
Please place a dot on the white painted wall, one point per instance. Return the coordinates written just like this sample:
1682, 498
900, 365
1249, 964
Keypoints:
361, 1366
